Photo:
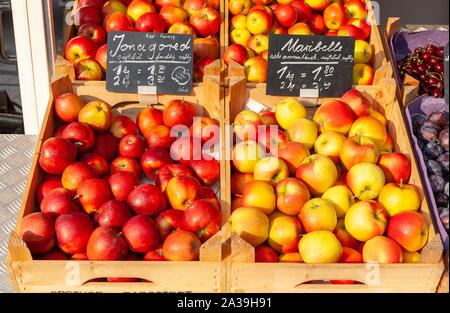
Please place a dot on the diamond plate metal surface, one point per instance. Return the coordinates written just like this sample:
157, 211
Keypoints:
16, 154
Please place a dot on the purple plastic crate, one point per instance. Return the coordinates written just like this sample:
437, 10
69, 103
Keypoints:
425, 105
404, 42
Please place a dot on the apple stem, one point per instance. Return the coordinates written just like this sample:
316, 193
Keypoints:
76, 197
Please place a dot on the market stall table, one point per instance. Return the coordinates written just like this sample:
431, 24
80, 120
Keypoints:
16, 154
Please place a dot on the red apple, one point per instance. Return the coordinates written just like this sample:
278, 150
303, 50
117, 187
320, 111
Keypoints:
172, 14
181, 191
206, 192
94, 31
235, 52
317, 24
101, 57
265, 253
351, 30
154, 159
356, 101
286, 15
137, 8
93, 193
206, 129
334, 16
362, 25
87, 14
334, 115
125, 164
97, 162
46, 186
106, 244
356, 9
56, 154
268, 118
199, 68
36, 230
121, 126
105, 145
178, 112
118, 22
73, 231
186, 149
382, 250
80, 47
141, 234
206, 171
409, 229
67, 107
396, 167
150, 22
148, 118
167, 172
303, 11
75, 173
208, 47
122, 184
154, 255
81, 135
88, 69
182, 245
169, 221
132, 146
202, 218
159, 137
112, 213
206, 22
59, 131
146, 199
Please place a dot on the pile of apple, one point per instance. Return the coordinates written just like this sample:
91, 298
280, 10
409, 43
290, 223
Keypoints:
253, 20
325, 190
95, 18
95, 203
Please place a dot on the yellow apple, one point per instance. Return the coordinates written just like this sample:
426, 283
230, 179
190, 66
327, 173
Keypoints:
382, 250
363, 51
97, 114
363, 74
318, 214
398, 198
288, 111
304, 131
271, 169
239, 21
246, 154
318, 172
370, 127
329, 144
284, 233
365, 220
258, 22
259, 194
240, 36
365, 180
320, 247
258, 43
341, 198
251, 224
379, 116
411, 257
293, 257
292, 194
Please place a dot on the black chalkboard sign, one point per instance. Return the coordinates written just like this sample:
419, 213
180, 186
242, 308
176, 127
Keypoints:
163, 61
310, 65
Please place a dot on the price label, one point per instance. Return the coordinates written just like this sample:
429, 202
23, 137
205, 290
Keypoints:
163, 61
301, 64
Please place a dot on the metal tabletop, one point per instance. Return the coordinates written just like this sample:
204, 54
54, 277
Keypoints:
16, 154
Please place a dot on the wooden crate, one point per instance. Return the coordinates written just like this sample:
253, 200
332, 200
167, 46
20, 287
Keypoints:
243, 275
64, 67
30, 275
379, 62
407, 90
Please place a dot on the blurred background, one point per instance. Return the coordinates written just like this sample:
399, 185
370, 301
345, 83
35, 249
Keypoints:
411, 12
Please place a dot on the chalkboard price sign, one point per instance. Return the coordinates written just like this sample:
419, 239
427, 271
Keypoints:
162, 61
310, 65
